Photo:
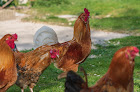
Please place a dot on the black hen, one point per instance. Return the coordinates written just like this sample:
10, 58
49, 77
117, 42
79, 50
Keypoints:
74, 83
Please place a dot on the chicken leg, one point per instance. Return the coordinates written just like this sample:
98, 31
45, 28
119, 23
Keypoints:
74, 67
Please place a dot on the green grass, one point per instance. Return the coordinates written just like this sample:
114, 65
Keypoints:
49, 19
124, 15
124, 24
48, 81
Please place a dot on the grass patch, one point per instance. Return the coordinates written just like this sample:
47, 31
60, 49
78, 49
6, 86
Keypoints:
24, 51
118, 24
95, 68
47, 19
110, 15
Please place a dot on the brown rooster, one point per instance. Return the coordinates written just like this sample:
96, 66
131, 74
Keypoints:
8, 71
67, 55
74, 52
119, 77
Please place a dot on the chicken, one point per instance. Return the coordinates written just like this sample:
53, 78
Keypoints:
32, 65
74, 83
75, 51
65, 56
8, 71
119, 77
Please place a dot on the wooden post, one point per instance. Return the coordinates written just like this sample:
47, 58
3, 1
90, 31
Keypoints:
7, 3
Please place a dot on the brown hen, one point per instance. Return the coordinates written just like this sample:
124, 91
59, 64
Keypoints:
119, 77
8, 71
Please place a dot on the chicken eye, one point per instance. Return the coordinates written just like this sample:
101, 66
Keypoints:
84, 15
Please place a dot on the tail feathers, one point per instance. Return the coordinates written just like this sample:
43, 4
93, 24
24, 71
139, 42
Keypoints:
73, 82
45, 35
85, 74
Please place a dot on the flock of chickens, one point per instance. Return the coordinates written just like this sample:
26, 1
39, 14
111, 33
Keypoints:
24, 69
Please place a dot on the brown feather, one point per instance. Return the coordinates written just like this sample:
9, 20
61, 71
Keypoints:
71, 54
120, 74
78, 48
8, 72
119, 77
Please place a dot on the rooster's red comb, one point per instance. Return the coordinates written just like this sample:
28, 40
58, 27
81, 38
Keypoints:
136, 49
15, 36
86, 11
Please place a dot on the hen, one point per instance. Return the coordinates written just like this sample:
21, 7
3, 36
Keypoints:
8, 71
119, 77
32, 65
74, 83
67, 55
11, 42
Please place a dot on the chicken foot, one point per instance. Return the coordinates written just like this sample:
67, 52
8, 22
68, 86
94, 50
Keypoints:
73, 67
62, 75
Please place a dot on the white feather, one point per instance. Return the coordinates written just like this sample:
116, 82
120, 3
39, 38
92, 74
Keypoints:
45, 35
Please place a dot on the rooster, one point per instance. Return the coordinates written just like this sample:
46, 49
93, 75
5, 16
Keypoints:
65, 56
119, 77
8, 71
75, 51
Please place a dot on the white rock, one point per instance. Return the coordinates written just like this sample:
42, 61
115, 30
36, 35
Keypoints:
45, 35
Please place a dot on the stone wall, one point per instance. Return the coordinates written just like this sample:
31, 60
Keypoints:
7, 15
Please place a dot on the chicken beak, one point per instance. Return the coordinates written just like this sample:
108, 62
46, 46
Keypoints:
58, 56
88, 16
137, 54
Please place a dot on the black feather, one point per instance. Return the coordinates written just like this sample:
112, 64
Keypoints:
73, 82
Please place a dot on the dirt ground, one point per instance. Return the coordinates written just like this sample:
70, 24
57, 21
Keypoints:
26, 31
